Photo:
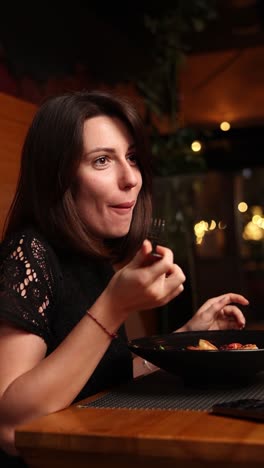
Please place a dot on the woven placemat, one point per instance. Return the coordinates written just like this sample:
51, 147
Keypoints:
164, 391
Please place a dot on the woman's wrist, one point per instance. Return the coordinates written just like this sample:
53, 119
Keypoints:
111, 335
106, 315
116, 308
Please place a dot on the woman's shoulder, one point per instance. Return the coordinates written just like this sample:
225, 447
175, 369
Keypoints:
27, 242
30, 282
28, 236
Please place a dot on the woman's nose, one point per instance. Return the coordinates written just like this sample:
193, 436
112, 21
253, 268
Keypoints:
128, 176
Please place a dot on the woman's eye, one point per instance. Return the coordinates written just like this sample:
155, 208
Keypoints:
101, 161
133, 159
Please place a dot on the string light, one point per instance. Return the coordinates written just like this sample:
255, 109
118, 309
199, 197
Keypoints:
242, 207
225, 126
196, 146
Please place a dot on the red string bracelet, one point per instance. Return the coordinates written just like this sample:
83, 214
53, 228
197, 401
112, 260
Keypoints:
111, 335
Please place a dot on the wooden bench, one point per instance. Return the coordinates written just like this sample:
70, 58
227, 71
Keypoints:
15, 118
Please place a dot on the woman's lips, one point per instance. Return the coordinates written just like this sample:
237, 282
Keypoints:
123, 207
126, 205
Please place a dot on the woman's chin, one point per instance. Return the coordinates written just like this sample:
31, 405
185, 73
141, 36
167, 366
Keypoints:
117, 234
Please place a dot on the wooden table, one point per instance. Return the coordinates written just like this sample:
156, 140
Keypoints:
99, 438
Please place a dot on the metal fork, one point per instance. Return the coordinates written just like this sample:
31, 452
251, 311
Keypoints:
156, 234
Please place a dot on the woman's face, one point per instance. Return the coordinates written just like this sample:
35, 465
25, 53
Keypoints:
108, 178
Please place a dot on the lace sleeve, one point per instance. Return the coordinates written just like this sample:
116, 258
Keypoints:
27, 285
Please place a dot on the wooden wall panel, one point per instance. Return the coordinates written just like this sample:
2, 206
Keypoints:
15, 117
224, 85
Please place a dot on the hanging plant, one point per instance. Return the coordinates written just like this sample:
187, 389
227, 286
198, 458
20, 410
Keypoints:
159, 85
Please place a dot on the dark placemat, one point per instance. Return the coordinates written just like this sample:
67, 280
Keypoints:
164, 391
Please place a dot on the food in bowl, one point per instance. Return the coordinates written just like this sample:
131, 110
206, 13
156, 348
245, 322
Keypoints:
205, 345
210, 367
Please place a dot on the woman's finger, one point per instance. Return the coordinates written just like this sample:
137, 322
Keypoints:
144, 258
226, 298
171, 295
236, 298
165, 267
234, 313
174, 277
142, 254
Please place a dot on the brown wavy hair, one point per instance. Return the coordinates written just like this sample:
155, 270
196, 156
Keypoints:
51, 154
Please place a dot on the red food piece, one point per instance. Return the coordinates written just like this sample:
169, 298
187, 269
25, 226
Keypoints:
232, 346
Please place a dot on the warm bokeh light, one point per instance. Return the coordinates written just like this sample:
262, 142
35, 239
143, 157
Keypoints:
256, 219
196, 146
253, 232
212, 225
225, 126
242, 207
201, 228
257, 210
221, 225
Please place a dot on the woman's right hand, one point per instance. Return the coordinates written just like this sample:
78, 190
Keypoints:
146, 281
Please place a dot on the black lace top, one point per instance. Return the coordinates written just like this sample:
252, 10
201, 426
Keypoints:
47, 293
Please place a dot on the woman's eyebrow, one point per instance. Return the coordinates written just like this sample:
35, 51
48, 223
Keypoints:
99, 149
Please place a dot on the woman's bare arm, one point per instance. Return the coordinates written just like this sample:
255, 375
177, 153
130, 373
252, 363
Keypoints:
32, 385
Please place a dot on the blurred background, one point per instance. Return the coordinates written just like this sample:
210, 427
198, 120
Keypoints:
195, 71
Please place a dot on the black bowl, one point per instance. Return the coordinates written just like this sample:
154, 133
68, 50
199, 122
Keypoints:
197, 367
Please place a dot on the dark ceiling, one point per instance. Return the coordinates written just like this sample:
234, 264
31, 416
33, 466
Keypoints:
111, 40
50, 39
239, 24
112, 44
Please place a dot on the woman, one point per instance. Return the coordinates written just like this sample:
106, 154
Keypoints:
76, 261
